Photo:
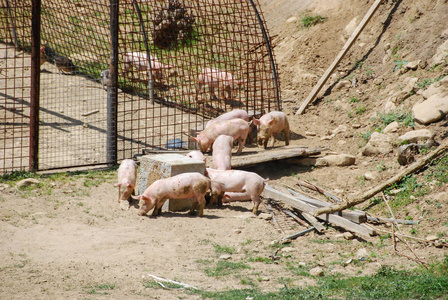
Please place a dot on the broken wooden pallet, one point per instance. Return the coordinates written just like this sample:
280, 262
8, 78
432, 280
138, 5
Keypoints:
308, 208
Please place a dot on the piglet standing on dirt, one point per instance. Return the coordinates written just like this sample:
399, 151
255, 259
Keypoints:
216, 78
222, 152
236, 181
233, 114
269, 125
236, 128
127, 177
183, 186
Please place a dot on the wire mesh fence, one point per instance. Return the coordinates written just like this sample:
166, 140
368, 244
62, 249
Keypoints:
179, 63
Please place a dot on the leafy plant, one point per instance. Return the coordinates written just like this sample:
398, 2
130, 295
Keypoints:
399, 64
309, 20
224, 267
224, 249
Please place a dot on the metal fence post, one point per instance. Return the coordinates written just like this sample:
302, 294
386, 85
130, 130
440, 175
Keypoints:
112, 90
35, 85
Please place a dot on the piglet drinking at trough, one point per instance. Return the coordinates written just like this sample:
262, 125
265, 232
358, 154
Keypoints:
196, 154
183, 186
216, 78
127, 177
236, 128
222, 152
269, 125
236, 181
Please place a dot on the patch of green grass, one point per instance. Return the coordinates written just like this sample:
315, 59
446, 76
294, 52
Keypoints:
265, 260
224, 249
408, 187
309, 20
298, 270
98, 289
402, 117
166, 285
224, 267
387, 283
354, 100
438, 171
399, 64
359, 110
424, 83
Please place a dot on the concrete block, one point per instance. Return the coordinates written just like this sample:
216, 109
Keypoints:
159, 166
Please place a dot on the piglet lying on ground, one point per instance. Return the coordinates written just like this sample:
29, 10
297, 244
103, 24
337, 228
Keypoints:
236, 128
183, 186
127, 177
222, 152
269, 125
236, 181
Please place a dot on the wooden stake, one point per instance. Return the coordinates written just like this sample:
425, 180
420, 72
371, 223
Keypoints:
341, 54
416, 166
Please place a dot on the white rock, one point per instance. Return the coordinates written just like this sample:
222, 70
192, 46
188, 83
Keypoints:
265, 216
225, 257
389, 106
288, 249
417, 135
343, 84
327, 137
440, 87
26, 182
379, 143
431, 237
341, 160
348, 235
441, 54
350, 27
317, 271
412, 65
431, 110
310, 133
291, 20
362, 253
392, 127
339, 129
370, 176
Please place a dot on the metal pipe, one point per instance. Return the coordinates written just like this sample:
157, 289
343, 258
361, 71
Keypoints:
271, 56
295, 235
35, 85
145, 40
112, 89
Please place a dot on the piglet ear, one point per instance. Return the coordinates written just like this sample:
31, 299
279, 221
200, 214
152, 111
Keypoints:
194, 139
256, 121
136, 197
271, 121
131, 186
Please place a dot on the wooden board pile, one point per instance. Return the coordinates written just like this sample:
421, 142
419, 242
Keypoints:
306, 206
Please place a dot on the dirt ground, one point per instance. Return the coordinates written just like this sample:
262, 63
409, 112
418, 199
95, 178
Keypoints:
76, 243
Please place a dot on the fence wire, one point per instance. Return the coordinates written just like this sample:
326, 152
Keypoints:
205, 58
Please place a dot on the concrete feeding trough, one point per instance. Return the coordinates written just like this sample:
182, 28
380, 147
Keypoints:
159, 166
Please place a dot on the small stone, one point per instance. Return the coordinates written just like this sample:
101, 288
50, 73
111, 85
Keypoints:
225, 257
237, 231
362, 254
291, 20
392, 127
27, 182
342, 142
288, 249
343, 84
348, 262
431, 238
412, 65
327, 137
265, 279
415, 136
302, 264
317, 271
310, 133
379, 143
265, 216
339, 129
370, 176
341, 160
378, 81
348, 235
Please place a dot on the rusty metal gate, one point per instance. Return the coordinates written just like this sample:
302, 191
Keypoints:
85, 83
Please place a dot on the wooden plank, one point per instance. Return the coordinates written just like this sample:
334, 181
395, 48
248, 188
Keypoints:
341, 54
270, 192
316, 224
248, 157
355, 216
